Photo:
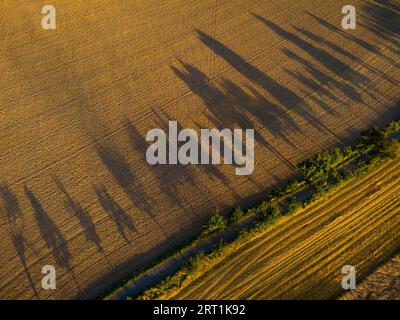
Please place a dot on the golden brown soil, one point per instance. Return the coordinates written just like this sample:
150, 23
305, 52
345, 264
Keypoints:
76, 103
382, 284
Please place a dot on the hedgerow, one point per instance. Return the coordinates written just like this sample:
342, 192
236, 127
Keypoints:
319, 175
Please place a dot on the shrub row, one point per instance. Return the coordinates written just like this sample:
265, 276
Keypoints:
322, 174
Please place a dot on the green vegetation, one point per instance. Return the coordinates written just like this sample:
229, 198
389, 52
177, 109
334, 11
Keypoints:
293, 205
390, 149
320, 175
216, 223
236, 215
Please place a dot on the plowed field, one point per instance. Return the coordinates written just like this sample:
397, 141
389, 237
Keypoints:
76, 103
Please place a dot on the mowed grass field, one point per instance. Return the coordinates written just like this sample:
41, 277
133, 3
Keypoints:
302, 256
76, 103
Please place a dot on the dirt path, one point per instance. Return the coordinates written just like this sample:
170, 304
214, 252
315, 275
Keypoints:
76, 103
153, 276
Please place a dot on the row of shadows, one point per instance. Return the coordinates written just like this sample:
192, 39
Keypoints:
228, 105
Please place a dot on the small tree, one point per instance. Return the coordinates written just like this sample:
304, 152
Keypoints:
236, 215
269, 210
390, 149
347, 152
392, 127
292, 205
273, 211
370, 138
293, 186
217, 222
191, 265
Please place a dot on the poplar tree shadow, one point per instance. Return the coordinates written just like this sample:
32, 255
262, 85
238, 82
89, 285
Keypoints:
285, 97
361, 43
174, 176
122, 220
171, 177
382, 18
316, 87
162, 173
231, 106
50, 233
75, 209
128, 180
120, 169
11, 209
222, 112
12, 214
336, 66
366, 86
324, 79
168, 176
341, 51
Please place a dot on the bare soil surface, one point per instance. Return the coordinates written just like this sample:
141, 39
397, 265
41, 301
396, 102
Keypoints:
382, 284
76, 103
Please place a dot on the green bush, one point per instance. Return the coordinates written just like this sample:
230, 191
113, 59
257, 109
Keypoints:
217, 222
236, 215
252, 212
270, 211
392, 127
191, 265
361, 167
348, 152
345, 174
312, 170
293, 186
370, 139
273, 211
292, 205
390, 149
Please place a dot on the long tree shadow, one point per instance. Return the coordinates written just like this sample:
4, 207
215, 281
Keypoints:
12, 214
315, 87
285, 97
365, 86
170, 176
336, 66
11, 209
268, 115
120, 169
52, 236
127, 179
122, 220
231, 106
341, 51
282, 94
84, 218
175, 176
222, 111
362, 43
382, 18
323, 79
